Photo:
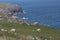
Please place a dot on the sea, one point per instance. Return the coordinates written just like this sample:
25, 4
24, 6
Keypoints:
45, 12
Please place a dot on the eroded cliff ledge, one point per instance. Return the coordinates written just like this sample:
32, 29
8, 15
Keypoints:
6, 13
7, 10
8, 7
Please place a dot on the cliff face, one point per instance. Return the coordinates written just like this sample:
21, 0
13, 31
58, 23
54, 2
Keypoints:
13, 8
6, 13
7, 10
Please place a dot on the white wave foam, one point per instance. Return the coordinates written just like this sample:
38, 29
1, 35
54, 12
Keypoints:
24, 11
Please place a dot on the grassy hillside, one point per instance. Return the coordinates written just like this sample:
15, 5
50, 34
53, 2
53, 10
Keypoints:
23, 29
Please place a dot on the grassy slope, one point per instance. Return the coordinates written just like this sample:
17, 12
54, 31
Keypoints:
23, 29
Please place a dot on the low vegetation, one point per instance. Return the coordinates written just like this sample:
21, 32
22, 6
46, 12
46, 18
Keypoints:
25, 30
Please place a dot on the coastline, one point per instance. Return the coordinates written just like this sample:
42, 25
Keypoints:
23, 29
10, 18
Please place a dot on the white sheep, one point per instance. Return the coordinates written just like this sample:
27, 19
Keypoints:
38, 30
35, 38
13, 30
3, 30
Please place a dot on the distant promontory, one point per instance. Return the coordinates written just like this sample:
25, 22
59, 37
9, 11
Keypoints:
7, 11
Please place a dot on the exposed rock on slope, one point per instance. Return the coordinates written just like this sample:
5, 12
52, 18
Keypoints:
13, 8
7, 10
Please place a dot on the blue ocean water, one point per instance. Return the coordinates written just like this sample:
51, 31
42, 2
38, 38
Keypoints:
42, 11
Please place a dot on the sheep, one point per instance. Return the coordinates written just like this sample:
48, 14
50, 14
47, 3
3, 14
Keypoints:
3, 30
38, 30
36, 38
13, 30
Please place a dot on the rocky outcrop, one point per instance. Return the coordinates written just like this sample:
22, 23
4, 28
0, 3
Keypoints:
7, 10
12, 8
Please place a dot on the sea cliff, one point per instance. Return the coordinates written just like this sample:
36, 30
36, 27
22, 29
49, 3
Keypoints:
7, 10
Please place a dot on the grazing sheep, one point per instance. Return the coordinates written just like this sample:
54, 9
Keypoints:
13, 30
3, 30
38, 30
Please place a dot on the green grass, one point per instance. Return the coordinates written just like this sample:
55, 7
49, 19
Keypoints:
23, 29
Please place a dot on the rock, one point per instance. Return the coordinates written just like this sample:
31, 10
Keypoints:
14, 8
7, 10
